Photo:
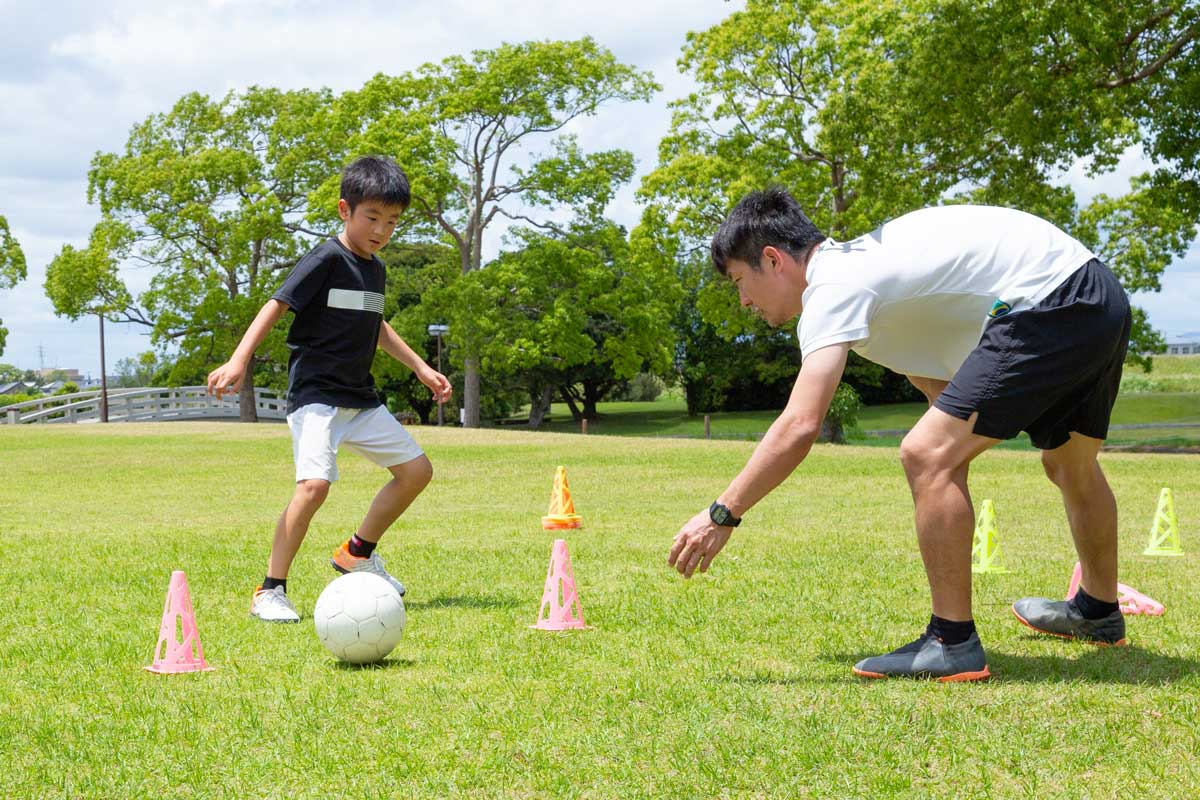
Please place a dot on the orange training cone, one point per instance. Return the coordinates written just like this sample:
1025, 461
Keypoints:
560, 609
1129, 599
562, 509
170, 655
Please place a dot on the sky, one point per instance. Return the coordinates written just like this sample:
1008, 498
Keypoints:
73, 82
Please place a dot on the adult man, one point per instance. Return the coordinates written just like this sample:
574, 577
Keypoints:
1006, 324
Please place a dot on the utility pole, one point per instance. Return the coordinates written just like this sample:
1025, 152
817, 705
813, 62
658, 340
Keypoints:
439, 331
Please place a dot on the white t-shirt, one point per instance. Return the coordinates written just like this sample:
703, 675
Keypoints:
915, 294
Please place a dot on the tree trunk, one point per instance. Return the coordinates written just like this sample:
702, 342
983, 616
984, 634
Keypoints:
592, 392
831, 432
569, 399
471, 390
539, 406
247, 410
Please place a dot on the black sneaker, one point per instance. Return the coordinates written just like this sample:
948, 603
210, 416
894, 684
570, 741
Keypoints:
1062, 618
929, 657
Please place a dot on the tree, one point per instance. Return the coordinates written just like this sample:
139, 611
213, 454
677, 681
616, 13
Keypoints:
143, 370
867, 110
1026, 89
12, 267
211, 196
458, 127
573, 315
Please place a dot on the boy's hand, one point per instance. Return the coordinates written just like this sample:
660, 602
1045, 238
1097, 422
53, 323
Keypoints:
438, 383
226, 378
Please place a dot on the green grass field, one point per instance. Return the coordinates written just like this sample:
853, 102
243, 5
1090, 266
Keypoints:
736, 684
668, 417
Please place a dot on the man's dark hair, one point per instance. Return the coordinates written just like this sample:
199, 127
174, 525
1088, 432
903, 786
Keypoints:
768, 218
375, 178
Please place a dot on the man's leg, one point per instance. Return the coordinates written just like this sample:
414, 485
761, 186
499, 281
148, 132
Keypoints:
1092, 615
936, 455
1091, 511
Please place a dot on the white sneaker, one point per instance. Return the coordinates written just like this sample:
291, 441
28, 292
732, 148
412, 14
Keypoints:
273, 605
342, 561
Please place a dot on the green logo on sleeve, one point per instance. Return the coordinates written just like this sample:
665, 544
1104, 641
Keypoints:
999, 309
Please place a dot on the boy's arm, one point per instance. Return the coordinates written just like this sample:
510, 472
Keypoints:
229, 376
391, 343
781, 450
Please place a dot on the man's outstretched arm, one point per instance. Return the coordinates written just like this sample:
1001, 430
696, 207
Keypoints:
781, 450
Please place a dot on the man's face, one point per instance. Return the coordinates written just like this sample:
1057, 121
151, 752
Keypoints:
369, 226
763, 290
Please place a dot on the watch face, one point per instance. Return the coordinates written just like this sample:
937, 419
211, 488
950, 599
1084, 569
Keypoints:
720, 515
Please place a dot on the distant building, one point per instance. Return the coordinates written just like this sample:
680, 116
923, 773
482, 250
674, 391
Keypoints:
72, 375
1184, 345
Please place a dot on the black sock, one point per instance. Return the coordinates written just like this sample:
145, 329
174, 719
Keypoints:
361, 548
948, 631
270, 583
1090, 607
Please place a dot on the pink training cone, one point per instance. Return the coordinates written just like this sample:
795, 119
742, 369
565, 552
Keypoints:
171, 655
560, 609
1131, 600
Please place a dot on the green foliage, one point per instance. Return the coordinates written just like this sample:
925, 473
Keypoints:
211, 195
460, 129
866, 110
12, 267
564, 311
645, 387
842, 415
146, 369
70, 387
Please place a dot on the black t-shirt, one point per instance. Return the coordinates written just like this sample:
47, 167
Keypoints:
337, 298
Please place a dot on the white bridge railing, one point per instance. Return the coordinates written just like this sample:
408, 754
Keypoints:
140, 405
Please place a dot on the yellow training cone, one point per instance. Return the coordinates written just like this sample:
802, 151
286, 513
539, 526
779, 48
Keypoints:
985, 551
1164, 532
562, 509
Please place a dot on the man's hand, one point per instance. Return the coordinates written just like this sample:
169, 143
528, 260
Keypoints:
226, 378
697, 544
438, 383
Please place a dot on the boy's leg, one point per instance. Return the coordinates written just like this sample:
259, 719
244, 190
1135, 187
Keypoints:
378, 436
408, 480
293, 525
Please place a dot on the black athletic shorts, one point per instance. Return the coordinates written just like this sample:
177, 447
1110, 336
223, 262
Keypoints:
1050, 369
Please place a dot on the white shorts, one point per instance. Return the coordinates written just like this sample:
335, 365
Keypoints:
319, 430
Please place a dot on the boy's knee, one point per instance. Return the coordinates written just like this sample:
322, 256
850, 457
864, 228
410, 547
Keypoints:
416, 473
312, 492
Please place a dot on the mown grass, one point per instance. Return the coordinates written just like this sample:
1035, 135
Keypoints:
668, 417
735, 684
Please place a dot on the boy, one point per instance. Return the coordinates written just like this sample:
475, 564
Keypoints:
1006, 324
336, 294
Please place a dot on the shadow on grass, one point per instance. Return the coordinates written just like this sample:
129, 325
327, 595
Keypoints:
465, 602
387, 663
1078, 663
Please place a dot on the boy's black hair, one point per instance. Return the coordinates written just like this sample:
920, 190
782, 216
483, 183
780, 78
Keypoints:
768, 218
375, 178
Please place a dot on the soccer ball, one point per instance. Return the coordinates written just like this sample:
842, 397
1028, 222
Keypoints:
359, 617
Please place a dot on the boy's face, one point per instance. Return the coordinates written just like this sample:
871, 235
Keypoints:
369, 226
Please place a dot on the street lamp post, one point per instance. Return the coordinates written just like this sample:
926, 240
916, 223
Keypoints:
439, 331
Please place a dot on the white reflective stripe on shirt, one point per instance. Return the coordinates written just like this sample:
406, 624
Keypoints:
353, 300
